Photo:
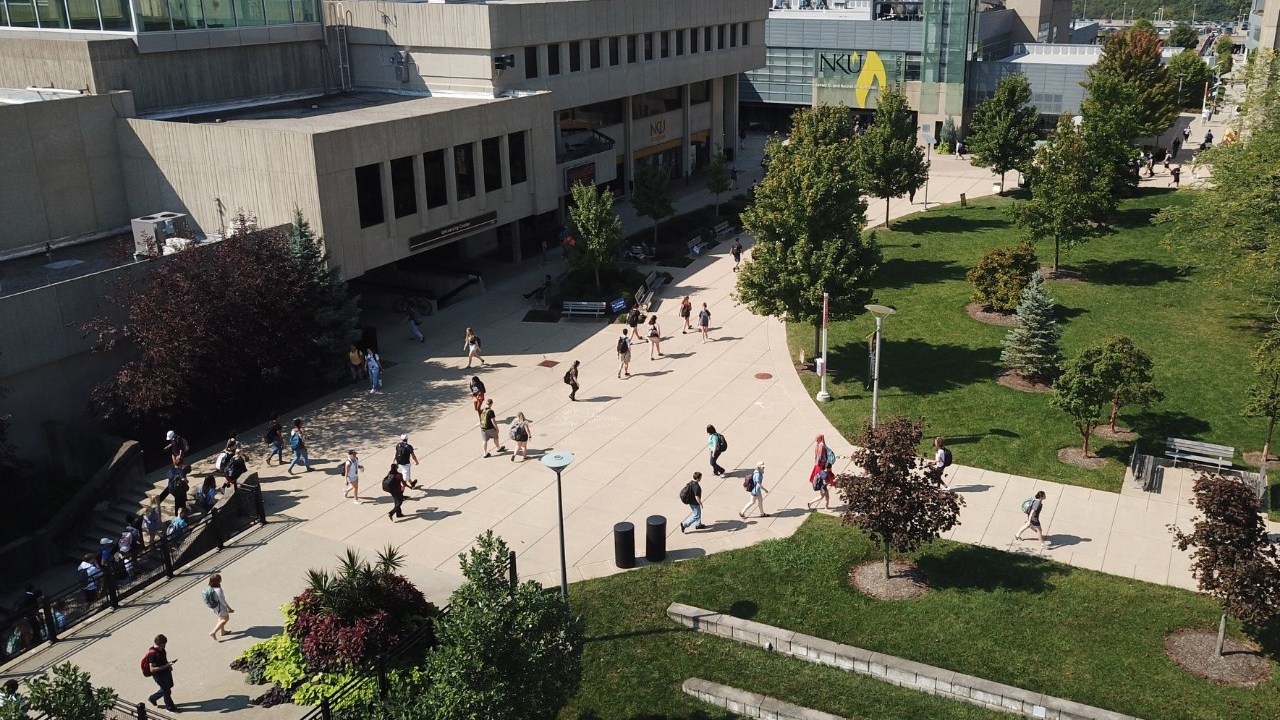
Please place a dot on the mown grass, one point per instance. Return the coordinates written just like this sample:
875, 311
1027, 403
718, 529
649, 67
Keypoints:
937, 363
1017, 619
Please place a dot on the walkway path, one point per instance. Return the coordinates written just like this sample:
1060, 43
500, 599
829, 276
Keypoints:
636, 440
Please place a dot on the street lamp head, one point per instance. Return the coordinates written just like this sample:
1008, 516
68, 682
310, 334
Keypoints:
880, 310
557, 460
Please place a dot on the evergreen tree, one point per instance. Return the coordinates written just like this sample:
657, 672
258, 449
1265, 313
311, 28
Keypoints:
597, 229
889, 161
651, 196
1031, 349
1002, 134
947, 138
718, 180
335, 314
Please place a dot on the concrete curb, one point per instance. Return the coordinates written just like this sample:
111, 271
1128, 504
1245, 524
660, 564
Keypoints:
749, 704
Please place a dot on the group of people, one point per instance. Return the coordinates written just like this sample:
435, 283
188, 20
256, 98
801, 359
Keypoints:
367, 364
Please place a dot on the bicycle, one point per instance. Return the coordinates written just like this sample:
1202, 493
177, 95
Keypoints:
402, 304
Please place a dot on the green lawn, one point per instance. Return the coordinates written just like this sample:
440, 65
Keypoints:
1073, 633
938, 364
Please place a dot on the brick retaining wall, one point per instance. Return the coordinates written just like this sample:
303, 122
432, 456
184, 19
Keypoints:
750, 704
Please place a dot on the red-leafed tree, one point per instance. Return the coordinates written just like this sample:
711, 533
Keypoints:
1234, 559
897, 498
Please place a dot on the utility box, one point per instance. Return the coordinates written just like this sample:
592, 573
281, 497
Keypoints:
157, 234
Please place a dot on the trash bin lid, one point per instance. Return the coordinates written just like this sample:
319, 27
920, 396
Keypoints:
624, 527
656, 520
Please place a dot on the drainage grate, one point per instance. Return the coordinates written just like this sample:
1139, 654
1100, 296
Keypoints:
763, 376
549, 363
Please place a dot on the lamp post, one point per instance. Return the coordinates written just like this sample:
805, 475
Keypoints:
558, 461
881, 312
823, 395
928, 152
1180, 103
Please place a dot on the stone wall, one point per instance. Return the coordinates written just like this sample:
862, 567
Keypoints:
750, 704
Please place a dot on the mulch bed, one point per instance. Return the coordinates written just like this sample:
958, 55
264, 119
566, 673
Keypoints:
1063, 274
1075, 456
1015, 381
1196, 651
1119, 435
989, 317
1254, 458
904, 583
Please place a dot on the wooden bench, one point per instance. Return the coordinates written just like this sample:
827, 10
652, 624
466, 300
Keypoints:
583, 308
1257, 482
1201, 452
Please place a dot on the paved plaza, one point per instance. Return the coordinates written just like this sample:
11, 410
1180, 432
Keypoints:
636, 441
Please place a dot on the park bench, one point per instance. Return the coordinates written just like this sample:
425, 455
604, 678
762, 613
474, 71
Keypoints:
583, 308
696, 245
1200, 452
724, 229
1144, 470
1257, 482
645, 293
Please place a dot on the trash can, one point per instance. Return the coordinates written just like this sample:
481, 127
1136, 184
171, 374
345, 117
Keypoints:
655, 539
624, 545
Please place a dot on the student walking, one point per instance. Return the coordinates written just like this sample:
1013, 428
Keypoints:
633, 321
941, 456
655, 337
521, 434
691, 495
151, 520
686, 310
624, 354
393, 484
471, 344
1175, 175
405, 453
489, 428
178, 487
755, 486
476, 388
177, 447
414, 319
355, 363
736, 252
234, 469
374, 363
1032, 508
820, 483
298, 444
704, 322
89, 573
216, 600
571, 379
275, 439
351, 468
822, 455
160, 668
716, 444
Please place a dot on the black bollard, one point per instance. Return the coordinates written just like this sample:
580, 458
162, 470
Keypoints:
624, 545
655, 539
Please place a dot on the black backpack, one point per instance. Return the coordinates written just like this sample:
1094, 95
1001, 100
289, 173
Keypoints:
622, 345
721, 443
633, 317
686, 494
389, 482
568, 377
403, 451
946, 457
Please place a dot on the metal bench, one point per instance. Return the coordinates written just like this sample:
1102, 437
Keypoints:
582, 308
1145, 472
1199, 452
644, 294
724, 229
696, 245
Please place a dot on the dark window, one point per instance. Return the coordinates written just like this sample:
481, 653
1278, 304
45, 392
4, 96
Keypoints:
434, 180
553, 59
719, 37
679, 42
464, 170
693, 41
404, 196
733, 35
594, 46
746, 36
700, 92
706, 39
655, 103
369, 195
515, 157
631, 48
531, 62
593, 116
648, 46
575, 56
492, 149
613, 50
666, 44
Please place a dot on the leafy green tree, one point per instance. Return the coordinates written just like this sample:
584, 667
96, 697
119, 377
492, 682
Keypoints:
67, 694
1002, 133
808, 218
895, 497
1126, 372
1067, 193
999, 278
889, 161
1233, 559
1106, 132
651, 196
1082, 394
596, 229
1222, 49
718, 180
504, 653
947, 138
1031, 349
1264, 395
1189, 72
1184, 36
1133, 59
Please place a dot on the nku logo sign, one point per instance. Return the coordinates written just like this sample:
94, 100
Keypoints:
864, 71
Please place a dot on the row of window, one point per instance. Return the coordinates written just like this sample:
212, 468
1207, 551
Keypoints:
404, 190
647, 46
155, 15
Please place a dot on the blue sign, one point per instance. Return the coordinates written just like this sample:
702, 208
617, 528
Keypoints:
618, 305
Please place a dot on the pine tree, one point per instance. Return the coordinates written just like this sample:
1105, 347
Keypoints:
335, 314
947, 138
1031, 349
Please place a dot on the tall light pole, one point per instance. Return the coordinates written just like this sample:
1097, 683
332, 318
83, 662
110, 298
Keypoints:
928, 153
1180, 103
1193, 13
823, 395
881, 312
558, 461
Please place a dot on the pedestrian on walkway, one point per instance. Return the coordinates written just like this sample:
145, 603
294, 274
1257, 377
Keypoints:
820, 484
374, 363
1175, 175
393, 483
405, 453
476, 388
351, 468
691, 495
704, 322
489, 428
941, 456
89, 574
234, 469
822, 455
624, 354
177, 447
655, 337
1186, 133
520, 433
471, 343
413, 319
298, 444
736, 252
633, 321
275, 439
733, 177
959, 149
686, 310
716, 444
355, 365
178, 487
1032, 508
11, 703
160, 668
571, 379
755, 486
216, 600
151, 520
207, 495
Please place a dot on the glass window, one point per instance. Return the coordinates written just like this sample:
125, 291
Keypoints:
666, 43
648, 46
491, 151
575, 56
249, 13
434, 180
404, 194
515, 158
613, 51
279, 12
694, 34
218, 13
719, 37
594, 44
706, 39
530, 62
679, 43
654, 103
592, 117
369, 195
464, 170
84, 14
188, 14
700, 92
53, 14
553, 59
304, 11
153, 15
22, 13
733, 35
631, 48
746, 37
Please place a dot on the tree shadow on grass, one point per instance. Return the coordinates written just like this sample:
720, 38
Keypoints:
901, 273
1154, 427
970, 567
1133, 218
946, 223
1062, 312
917, 367
1135, 273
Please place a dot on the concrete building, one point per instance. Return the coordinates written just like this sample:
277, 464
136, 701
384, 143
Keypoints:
1264, 25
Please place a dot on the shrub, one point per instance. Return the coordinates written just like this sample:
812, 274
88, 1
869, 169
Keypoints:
999, 278
68, 695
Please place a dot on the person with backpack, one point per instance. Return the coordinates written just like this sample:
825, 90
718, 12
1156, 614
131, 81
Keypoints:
691, 495
133, 525
822, 454
216, 600
941, 457
716, 444
151, 519
207, 495
374, 363
413, 319
754, 484
471, 343
655, 337
520, 434
274, 438
404, 453
223, 461
633, 321
736, 252
355, 363
704, 322
89, 575
393, 484
235, 469
489, 429
351, 468
686, 311
157, 666
477, 389
571, 379
1032, 507
821, 485
624, 354
298, 444
177, 528
178, 487
177, 447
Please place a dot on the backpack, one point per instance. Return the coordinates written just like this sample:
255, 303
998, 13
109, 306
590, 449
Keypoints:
210, 598
126, 541
269, 435
518, 433
831, 456
721, 443
182, 444
946, 458
622, 345
568, 377
633, 317
1026, 505
402, 453
389, 482
749, 483
221, 463
146, 663
295, 440
686, 494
